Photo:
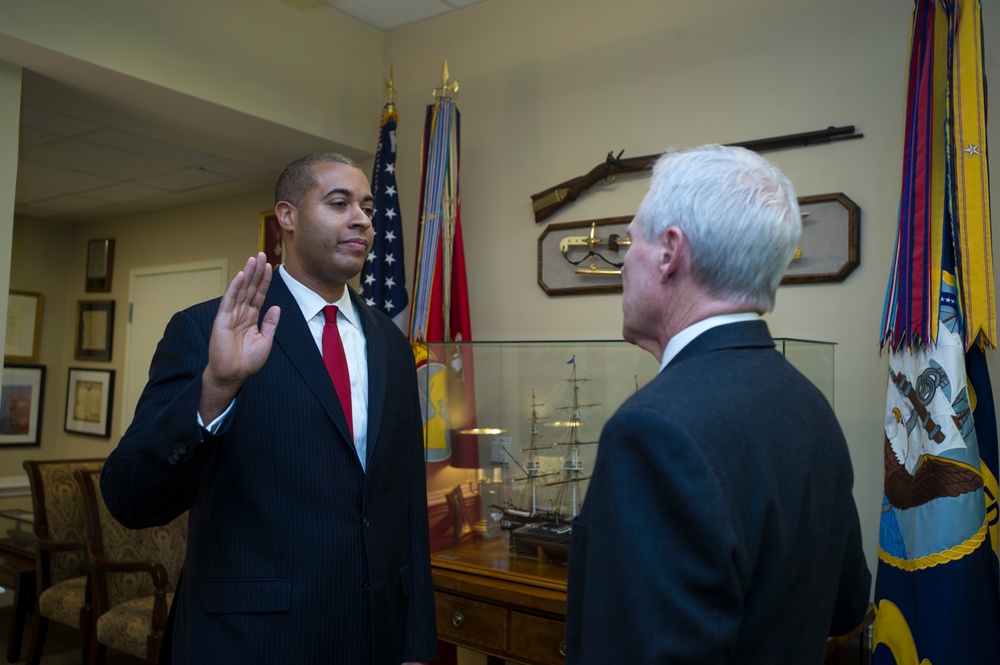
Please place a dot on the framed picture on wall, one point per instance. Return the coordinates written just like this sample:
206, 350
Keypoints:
583, 257
828, 249
100, 264
95, 327
24, 326
21, 396
269, 238
89, 395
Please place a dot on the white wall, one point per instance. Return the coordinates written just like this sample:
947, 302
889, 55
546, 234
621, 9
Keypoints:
10, 115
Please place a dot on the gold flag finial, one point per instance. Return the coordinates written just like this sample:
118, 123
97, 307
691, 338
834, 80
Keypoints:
390, 91
446, 89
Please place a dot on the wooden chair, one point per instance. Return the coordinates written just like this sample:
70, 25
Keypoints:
133, 577
61, 560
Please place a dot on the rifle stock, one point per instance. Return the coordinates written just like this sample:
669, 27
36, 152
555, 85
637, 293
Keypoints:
548, 201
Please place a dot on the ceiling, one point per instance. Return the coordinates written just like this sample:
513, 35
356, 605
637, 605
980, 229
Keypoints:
389, 14
83, 157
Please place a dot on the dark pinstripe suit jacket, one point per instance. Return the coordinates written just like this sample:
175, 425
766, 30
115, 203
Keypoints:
295, 554
720, 514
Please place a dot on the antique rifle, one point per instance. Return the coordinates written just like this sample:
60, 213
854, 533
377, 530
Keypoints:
550, 200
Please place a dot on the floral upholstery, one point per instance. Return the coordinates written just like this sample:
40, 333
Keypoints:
127, 626
127, 616
64, 520
62, 602
166, 544
61, 580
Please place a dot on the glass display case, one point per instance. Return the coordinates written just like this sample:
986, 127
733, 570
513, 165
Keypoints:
814, 359
527, 416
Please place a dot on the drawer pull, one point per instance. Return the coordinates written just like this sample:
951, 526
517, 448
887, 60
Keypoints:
458, 619
562, 648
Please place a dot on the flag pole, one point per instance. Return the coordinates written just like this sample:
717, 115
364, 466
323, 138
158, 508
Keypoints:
383, 277
443, 95
390, 91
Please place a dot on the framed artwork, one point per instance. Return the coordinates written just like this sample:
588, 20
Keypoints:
89, 395
100, 264
583, 257
95, 327
828, 248
24, 326
21, 397
269, 238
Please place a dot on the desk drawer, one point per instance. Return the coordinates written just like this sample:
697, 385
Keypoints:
537, 639
469, 621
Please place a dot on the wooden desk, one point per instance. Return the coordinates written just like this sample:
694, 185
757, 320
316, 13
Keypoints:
514, 609
853, 648
508, 608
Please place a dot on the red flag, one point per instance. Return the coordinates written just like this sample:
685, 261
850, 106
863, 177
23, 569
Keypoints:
440, 307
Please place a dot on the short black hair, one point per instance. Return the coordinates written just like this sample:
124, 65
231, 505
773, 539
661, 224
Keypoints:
296, 179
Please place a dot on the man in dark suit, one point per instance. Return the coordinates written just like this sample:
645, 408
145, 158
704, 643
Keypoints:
719, 525
308, 538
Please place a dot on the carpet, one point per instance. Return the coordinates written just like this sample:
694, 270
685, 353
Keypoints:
63, 645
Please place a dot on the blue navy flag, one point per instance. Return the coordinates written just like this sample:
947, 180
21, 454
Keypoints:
383, 279
937, 588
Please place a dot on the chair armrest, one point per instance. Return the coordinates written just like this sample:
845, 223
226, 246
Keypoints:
157, 571
59, 545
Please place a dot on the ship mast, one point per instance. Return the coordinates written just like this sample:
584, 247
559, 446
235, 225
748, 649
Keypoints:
533, 466
573, 463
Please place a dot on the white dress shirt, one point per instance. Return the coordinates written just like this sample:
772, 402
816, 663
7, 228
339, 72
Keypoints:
349, 326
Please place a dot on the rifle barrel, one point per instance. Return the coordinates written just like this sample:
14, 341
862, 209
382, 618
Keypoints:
548, 201
801, 139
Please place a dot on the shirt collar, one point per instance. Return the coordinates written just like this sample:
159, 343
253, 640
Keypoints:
311, 303
685, 337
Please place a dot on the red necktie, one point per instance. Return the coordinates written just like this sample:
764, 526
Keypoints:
336, 363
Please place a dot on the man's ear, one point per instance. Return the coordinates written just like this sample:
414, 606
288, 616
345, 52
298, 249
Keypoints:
286, 214
672, 245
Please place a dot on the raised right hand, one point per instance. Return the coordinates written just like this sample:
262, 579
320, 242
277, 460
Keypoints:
237, 348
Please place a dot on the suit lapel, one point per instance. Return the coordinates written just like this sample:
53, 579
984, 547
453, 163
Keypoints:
376, 353
297, 343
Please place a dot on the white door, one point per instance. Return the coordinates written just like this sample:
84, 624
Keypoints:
155, 294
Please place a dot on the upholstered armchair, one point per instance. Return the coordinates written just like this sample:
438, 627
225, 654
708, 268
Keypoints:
133, 577
62, 564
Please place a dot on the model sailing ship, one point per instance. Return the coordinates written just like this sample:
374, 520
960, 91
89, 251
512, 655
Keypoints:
541, 524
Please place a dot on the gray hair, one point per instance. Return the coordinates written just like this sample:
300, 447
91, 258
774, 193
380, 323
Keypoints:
738, 211
296, 179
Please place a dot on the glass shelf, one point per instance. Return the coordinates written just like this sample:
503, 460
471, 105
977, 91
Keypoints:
17, 530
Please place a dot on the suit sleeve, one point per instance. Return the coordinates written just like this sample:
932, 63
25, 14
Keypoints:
660, 544
855, 581
154, 473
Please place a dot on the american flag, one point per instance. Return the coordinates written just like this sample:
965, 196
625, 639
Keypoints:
383, 278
